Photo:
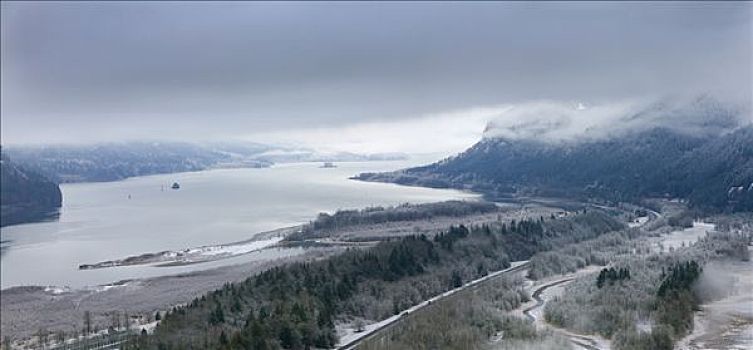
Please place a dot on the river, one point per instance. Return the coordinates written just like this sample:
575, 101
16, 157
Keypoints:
112, 220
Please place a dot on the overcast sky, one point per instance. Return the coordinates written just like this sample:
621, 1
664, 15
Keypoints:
371, 76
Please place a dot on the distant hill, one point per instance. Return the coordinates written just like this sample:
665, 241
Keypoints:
26, 196
710, 170
117, 161
306, 155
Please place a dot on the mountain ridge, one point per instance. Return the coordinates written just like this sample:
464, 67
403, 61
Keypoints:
117, 161
710, 172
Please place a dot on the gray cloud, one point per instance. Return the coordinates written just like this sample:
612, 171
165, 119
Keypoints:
92, 71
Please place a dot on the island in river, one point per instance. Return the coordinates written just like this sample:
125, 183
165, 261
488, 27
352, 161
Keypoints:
114, 220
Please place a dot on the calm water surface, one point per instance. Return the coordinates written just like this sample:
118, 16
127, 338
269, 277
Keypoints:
98, 221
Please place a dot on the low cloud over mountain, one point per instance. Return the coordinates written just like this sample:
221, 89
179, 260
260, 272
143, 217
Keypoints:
551, 121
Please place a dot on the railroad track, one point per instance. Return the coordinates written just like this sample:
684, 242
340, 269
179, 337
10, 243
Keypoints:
582, 341
470, 286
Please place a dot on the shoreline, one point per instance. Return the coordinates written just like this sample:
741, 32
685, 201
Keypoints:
202, 254
26, 309
223, 237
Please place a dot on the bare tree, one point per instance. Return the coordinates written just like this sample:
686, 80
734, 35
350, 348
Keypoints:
87, 322
60, 337
116, 320
127, 319
42, 337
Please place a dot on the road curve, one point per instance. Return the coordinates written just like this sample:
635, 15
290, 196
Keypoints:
537, 296
579, 340
582, 341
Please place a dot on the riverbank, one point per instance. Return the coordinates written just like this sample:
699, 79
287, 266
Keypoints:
109, 221
26, 310
202, 254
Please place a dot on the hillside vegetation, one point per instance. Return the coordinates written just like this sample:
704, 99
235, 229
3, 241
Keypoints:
643, 301
480, 319
710, 172
297, 306
25, 195
117, 161
325, 223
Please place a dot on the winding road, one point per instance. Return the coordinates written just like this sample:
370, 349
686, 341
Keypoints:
539, 301
582, 341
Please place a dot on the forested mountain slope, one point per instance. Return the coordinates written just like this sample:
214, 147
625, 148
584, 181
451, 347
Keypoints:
116, 161
120, 160
25, 195
709, 170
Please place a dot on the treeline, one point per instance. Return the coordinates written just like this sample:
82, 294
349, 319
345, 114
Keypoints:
598, 251
296, 306
117, 161
679, 278
611, 275
683, 219
377, 215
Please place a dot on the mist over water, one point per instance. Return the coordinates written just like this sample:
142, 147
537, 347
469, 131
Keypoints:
99, 222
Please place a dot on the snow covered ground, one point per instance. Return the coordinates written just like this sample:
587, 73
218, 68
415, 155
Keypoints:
548, 289
348, 334
684, 237
726, 323
229, 249
639, 221
191, 255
